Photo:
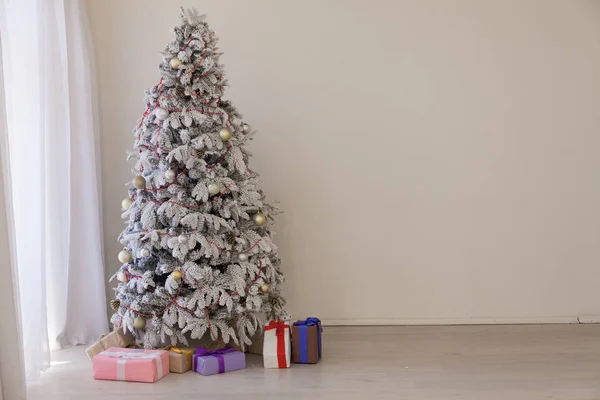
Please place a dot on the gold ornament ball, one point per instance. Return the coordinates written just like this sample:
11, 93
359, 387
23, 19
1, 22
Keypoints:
259, 219
176, 275
183, 238
121, 276
170, 174
175, 63
114, 304
139, 182
126, 203
139, 323
161, 113
124, 256
264, 288
214, 188
225, 134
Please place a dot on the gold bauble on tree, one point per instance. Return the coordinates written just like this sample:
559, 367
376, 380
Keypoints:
126, 203
225, 134
139, 323
121, 276
170, 174
139, 182
259, 219
124, 256
161, 113
114, 304
176, 275
183, 238
264, 288
175, 63
214, 188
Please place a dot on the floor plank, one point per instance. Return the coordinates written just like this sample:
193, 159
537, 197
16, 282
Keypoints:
412, 362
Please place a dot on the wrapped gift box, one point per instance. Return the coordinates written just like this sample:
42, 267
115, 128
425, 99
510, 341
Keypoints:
116, 338
276, 345
257, 343
257, 338
211, 362
133, 365
180, 360
306, 341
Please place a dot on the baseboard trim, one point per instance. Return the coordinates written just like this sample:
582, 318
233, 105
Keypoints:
589, 319
460, 321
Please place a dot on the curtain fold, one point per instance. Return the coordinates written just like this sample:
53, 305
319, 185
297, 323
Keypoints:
12, 385
48, 69
86, 317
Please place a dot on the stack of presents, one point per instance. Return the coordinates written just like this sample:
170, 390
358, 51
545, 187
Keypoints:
114, 360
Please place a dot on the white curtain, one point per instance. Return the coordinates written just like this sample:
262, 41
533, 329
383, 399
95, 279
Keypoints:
49, 85
12, 385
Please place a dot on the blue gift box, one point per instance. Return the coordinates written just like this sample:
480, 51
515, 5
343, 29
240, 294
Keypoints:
306, 341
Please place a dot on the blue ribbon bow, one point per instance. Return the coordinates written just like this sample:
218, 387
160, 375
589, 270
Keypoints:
303, 333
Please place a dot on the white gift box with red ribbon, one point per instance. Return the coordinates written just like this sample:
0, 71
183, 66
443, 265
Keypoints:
277, 349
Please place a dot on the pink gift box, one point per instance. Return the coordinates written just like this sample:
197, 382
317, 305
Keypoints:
134, 365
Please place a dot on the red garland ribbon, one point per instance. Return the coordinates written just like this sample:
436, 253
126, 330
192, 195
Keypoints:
279, 327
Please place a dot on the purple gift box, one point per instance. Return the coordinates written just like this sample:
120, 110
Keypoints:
210, 362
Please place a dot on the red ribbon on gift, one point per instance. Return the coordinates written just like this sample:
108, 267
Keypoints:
279, 327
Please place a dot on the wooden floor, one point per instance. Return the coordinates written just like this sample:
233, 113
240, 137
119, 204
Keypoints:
455, 362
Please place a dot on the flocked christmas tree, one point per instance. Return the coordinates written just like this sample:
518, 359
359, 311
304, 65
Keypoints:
198, 256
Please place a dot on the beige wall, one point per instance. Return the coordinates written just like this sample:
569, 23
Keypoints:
438, 162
